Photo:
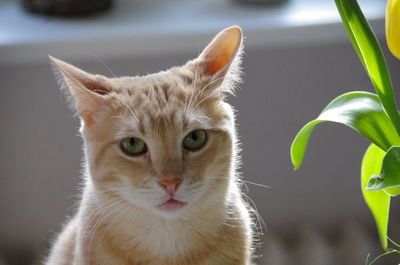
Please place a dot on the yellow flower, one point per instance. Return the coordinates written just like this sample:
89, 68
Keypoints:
393, 26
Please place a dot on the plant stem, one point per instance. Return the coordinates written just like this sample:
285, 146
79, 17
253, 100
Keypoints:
382, 255
393, 242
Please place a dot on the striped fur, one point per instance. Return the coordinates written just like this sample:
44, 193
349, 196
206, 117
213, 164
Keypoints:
117, 221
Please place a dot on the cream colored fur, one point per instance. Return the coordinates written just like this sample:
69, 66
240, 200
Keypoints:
118, 222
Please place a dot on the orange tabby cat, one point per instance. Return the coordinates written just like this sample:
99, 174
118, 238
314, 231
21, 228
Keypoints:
160, 180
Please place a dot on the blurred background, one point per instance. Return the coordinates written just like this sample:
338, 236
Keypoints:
297, 59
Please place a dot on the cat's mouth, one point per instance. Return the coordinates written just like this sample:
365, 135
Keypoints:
171, 204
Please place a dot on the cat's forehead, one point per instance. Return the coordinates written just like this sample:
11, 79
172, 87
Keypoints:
158, 92
160, 102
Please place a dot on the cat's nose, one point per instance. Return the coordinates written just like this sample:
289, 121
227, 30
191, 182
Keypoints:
170, 185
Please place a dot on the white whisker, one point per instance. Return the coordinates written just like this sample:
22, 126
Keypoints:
104, 64
256, 184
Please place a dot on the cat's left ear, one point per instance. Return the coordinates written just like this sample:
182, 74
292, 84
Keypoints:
88, 91
220, 60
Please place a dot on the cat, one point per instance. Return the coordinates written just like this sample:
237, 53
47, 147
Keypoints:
161, 155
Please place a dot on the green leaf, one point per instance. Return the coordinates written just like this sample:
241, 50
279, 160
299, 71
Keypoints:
360, 111
370, 54
395, 191
377, 201
390, 175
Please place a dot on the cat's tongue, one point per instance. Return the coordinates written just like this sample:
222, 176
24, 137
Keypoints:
171, 204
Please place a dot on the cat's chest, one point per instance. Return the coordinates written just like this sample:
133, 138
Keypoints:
136, 234
168, 253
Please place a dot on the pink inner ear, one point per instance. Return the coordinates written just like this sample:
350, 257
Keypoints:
76, 77
96, 87
217, 63
222, 50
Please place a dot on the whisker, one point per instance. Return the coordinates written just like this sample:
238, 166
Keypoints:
256, 184
259, 224
203, 99
201, 91
104, 64
192, 94
132, 112
127, 188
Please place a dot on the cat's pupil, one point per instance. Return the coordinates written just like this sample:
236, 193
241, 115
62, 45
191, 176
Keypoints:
194, 137
132, 141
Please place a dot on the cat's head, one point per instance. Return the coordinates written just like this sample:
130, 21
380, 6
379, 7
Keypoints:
164, 141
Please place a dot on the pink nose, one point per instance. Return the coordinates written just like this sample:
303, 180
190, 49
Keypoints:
170, 185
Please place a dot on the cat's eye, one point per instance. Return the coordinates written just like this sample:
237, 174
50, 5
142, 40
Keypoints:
195, 140
133, 146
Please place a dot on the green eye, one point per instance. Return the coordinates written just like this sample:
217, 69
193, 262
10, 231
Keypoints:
195, 140
133, 146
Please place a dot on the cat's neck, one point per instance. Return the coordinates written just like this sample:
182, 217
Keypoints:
124, 222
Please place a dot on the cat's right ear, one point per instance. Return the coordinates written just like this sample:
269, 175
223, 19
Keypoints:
87, 90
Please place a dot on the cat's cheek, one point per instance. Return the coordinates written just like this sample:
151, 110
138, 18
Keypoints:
190, 193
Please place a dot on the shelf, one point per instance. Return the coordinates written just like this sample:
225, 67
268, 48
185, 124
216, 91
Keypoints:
141, 28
